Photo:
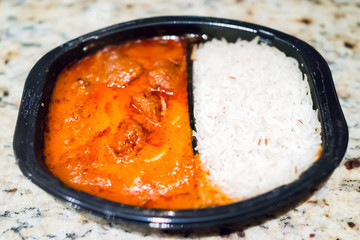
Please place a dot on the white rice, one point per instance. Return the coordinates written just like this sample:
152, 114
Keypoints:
256, 128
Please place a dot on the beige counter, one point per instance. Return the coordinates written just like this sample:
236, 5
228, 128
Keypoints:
28, 29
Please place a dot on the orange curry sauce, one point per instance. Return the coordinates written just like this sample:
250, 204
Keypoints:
118, 128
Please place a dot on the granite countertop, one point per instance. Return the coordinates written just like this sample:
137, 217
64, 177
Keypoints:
28, 29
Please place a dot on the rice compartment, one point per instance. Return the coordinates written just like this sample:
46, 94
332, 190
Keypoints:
255, 123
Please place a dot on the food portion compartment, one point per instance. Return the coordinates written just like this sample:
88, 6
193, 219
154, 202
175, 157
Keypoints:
118, 127
255, 124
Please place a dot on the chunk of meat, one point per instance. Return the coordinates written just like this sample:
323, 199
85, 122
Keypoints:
120, 70
164, 77
148, 104
129, 138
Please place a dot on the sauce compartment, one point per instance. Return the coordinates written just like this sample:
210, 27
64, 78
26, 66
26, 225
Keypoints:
118, 128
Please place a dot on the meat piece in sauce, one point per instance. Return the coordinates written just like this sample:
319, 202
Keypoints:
129, 138
164, 76
121, 70
149, 105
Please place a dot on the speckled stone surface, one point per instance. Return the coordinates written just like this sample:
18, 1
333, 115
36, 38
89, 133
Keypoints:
28, 29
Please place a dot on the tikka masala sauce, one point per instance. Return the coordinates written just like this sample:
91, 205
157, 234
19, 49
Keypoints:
118, 128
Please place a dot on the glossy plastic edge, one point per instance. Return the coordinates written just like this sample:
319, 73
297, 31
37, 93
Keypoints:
336, 136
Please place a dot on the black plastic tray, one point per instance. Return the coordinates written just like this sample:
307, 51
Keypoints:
28, 138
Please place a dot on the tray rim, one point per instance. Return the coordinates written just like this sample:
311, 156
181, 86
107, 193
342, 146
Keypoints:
31, 104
